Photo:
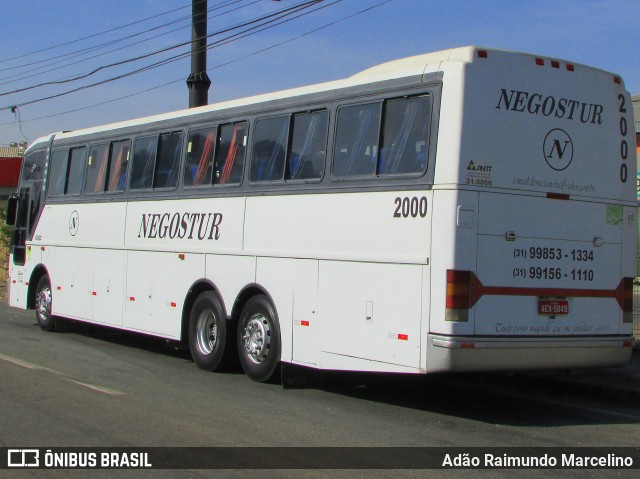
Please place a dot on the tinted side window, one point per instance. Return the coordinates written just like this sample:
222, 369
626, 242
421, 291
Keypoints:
269, 149
58, 172
168, 160
308, 146
231, 150
118, 161
356, 144
33, 166
198, 166
404, 135
75, 175
144, 157
396, 142
96, 168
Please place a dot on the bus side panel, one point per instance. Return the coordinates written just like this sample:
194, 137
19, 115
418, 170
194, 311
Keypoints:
157, 283
230, 274
72, 283
109, 286
372, 311
293, 286
368, 226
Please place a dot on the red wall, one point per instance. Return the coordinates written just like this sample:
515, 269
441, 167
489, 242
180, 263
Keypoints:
10, 171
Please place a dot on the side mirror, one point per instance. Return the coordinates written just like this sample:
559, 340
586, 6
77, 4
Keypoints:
12, 208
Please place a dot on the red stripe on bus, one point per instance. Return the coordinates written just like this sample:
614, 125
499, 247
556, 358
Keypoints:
478, 290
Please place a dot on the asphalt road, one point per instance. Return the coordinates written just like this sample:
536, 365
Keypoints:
90, 386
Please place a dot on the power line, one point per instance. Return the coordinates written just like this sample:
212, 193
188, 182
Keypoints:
95, 34
221, 65
86, 74
268, 18
92, 49
287, 10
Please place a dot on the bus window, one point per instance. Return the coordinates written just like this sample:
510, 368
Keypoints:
33, 167
144, 157
356, 144
96, 168
404, 136
198, 165
269, 149
168, 160
58, 172
75, 174
230, 153
118, 160
308, 146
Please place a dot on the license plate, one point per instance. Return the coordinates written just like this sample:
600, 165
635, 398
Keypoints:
553, 307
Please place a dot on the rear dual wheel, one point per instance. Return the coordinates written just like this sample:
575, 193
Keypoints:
210, 337
259, 339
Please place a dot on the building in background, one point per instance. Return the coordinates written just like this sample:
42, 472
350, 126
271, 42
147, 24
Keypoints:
10, 162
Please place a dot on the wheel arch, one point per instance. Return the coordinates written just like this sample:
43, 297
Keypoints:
38, 272
248, 292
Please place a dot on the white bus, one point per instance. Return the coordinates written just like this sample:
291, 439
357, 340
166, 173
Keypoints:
465, 210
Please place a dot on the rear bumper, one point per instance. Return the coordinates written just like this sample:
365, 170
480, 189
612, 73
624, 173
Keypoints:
457, 353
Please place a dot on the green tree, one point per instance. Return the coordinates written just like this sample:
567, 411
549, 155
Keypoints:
5, 229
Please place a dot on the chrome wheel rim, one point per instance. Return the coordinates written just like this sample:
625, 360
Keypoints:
207, 332
43, 303
256, 338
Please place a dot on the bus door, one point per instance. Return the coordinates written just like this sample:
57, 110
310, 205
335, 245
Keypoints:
24, 212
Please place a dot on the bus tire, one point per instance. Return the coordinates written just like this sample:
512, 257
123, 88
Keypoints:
208, 332
259, 339
42, 302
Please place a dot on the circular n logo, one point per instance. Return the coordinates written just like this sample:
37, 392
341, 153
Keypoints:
558, 149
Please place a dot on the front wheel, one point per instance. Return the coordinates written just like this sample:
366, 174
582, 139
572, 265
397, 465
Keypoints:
259, 339
46, 320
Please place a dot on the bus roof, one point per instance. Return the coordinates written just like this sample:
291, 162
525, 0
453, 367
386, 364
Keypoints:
401, 68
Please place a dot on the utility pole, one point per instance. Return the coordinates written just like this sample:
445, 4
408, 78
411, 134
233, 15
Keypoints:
198, 81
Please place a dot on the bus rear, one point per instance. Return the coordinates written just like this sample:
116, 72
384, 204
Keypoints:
535, 190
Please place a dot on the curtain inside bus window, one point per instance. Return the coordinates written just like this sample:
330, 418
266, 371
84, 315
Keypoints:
198, 166
144, 156
168, 160
94, 165
269, 149
405, 134
230, 153
356, 145
118, 165
308, 146
58, 172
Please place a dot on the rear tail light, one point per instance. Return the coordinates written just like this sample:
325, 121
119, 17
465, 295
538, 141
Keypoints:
459, 295
627, 300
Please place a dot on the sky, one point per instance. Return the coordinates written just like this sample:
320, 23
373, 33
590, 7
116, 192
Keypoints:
57, 40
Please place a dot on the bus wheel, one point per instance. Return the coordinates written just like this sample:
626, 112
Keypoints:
259, 339
208, 332
46, 320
